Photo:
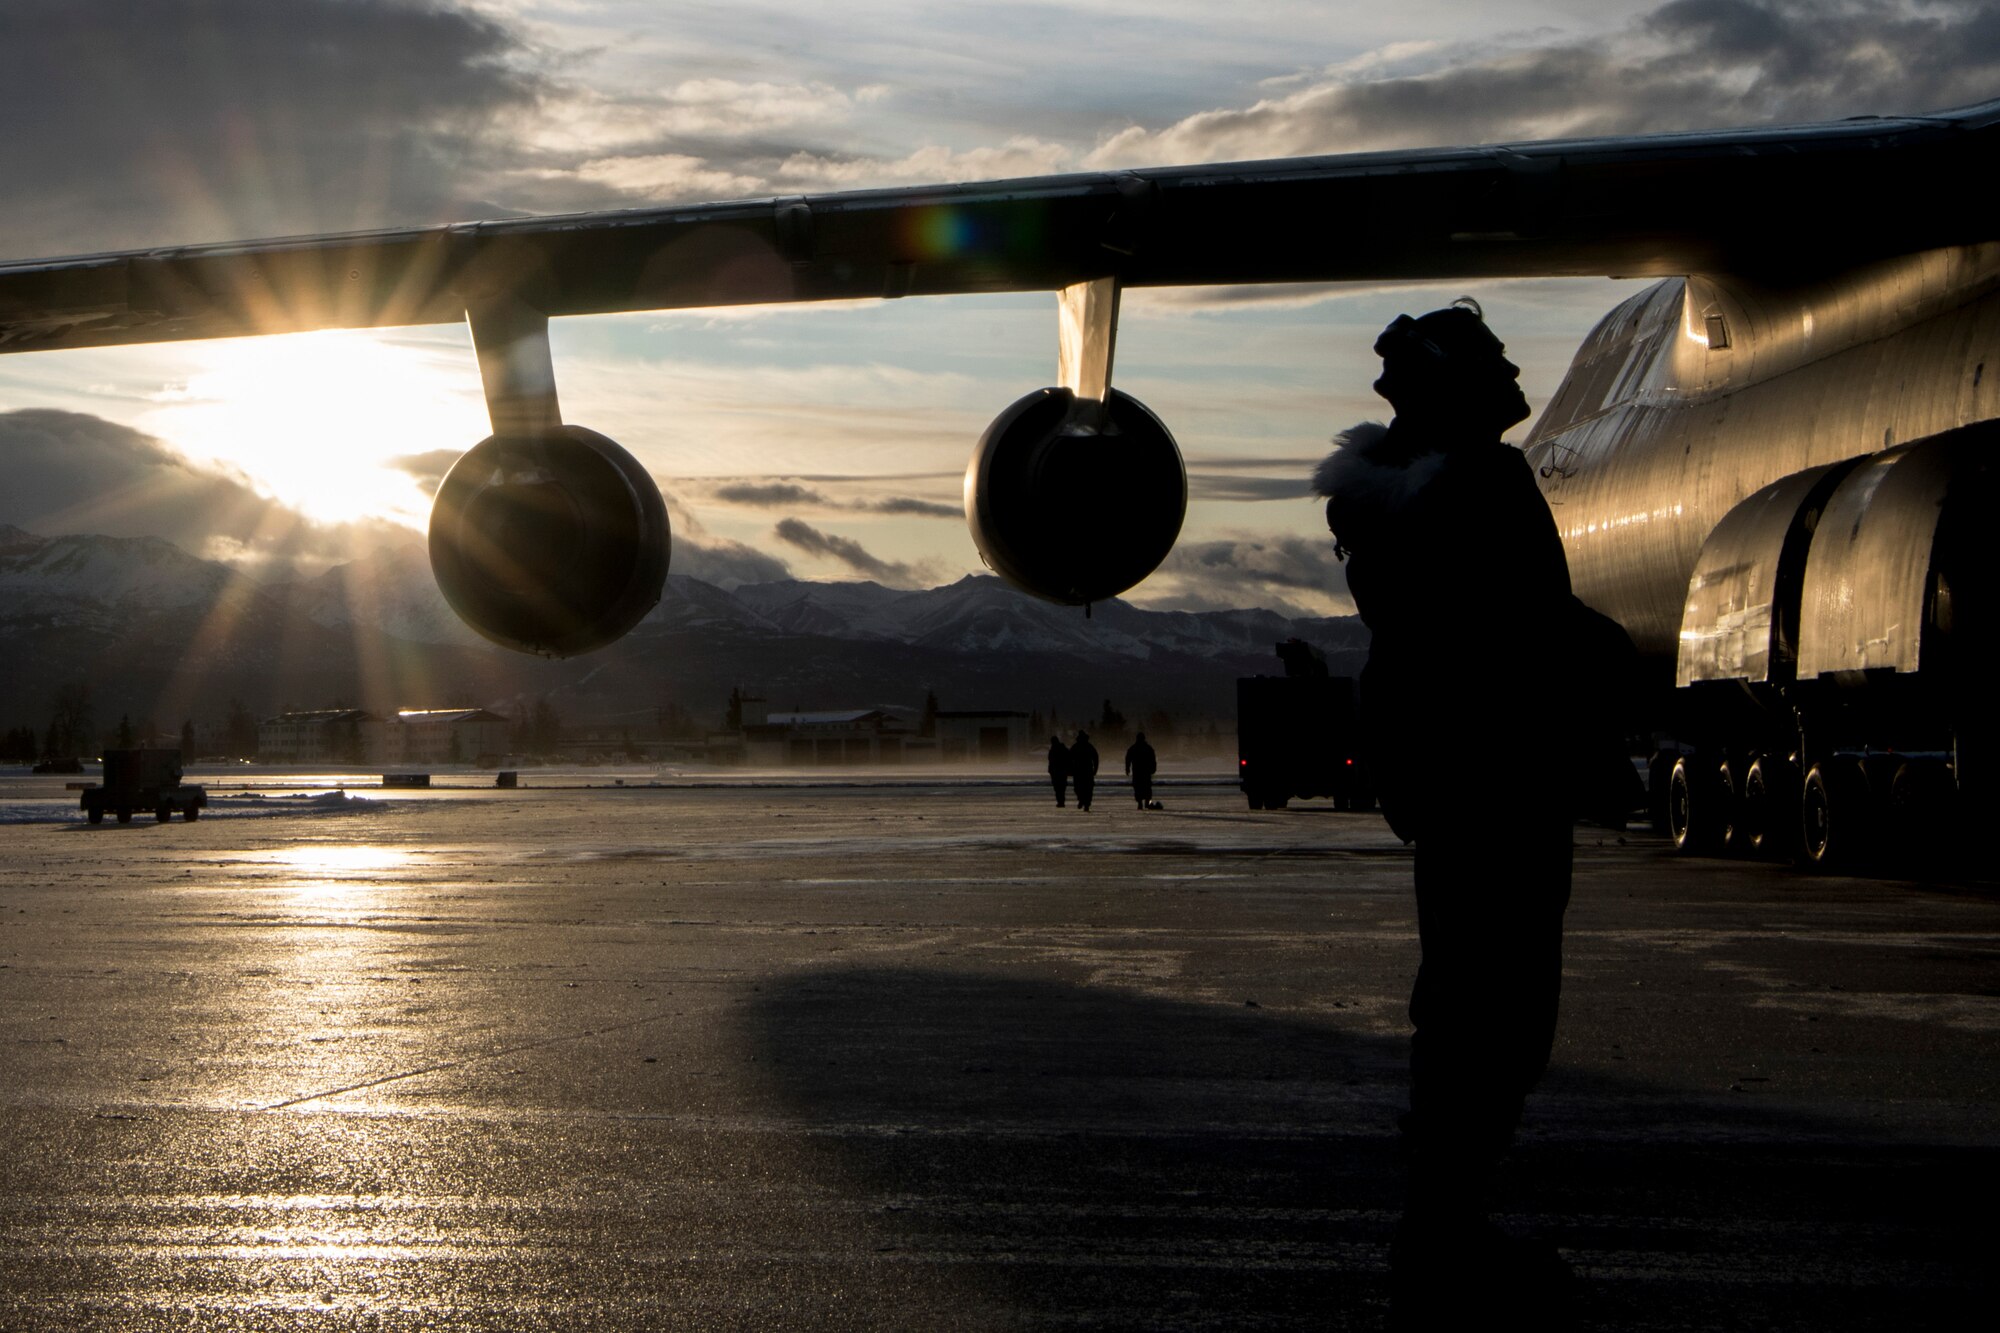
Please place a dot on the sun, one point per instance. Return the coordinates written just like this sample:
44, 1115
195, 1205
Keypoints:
319, 421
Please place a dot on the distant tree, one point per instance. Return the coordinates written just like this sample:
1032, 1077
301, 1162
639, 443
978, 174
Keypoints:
453, 754
349, 747
239, 732
732, 717
1037, 725
675, 722
72, 729
1159, 723
546, 731
927, 725
1111, 719
123, 738
187, 739
19, 746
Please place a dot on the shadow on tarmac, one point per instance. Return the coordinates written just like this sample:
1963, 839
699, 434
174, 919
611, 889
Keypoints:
1089, 1156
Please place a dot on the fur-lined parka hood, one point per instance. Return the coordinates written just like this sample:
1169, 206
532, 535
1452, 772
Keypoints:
1371, 475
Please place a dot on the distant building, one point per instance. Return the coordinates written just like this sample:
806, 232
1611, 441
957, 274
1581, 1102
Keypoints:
851, 736
322, 736
990, 734
426, 736
413, 737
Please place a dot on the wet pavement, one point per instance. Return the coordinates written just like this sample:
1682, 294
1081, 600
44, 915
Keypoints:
935, 1058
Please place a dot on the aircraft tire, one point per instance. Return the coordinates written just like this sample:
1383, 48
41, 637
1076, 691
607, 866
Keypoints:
1922, 807
1836, 819
1696, 807
1659, 776
1735, 834
1767, 807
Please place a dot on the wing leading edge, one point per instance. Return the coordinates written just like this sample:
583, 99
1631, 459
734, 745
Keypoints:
1770, 201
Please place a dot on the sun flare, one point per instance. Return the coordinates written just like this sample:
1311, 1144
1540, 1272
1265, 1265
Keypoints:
319, 421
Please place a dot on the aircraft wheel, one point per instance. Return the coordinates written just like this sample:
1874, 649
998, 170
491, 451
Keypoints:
1696, 807
1836, 825
1923, 797
1659, 781
1736, 835
1767, 816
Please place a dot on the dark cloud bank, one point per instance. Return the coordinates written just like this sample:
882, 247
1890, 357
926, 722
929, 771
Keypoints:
74, 473
70, 472
175, 121
1688, 64
851, 553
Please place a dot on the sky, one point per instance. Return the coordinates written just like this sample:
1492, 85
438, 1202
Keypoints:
817, 442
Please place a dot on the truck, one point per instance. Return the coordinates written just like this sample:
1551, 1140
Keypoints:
1298, 735
142, 780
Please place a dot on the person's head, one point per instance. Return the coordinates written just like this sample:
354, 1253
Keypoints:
1140, 736
1446, 368
1055, 740
1082, 736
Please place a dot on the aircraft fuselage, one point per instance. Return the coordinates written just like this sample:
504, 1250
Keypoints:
1692, 395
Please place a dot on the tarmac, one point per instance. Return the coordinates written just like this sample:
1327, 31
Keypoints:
934, 1055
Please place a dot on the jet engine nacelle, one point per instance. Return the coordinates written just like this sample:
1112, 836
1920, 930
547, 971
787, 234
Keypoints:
554, 544
1075, 517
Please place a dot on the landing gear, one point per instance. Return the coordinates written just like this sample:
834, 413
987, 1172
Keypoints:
1836, 815
1768, 814
1697, 807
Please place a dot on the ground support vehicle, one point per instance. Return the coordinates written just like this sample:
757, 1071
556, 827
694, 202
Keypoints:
137, 781
1298, 735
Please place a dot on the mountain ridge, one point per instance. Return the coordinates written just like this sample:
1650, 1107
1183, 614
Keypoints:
188, 635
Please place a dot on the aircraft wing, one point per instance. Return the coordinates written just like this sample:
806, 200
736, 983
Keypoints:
1760, 201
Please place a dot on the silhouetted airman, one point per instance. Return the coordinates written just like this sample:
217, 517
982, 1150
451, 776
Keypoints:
1450, 549
1083, 768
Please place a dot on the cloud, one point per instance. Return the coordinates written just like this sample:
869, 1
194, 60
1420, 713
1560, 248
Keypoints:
851, 553
69, 472
726, 564
428, 467
1225, 486
177, 121
792, 495
717, 560
906, 504
1294, 576
1017, 156
667, 177
769, 494
1688, 64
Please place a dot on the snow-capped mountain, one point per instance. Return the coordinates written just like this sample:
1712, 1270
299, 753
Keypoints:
158, 629
77, 579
